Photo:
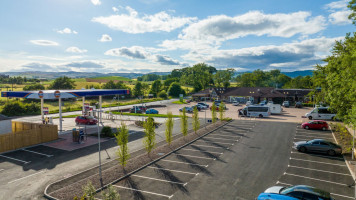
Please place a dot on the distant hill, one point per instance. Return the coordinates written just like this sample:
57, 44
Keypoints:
290, 74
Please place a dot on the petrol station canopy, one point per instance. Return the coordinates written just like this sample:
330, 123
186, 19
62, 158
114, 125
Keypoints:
64, 94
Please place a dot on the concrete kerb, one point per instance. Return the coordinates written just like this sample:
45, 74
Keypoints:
347, 163
129, 174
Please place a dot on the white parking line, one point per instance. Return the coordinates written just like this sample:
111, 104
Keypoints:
200, 150
316, 179
330, 193
310, 134
37, 153
27, 176
162, 195
187, 163
216, 138
212, 142
195, 156
299, 136
338, 158
2, 170
156, 179
198, 145
318, 170
172, 170
26, 162
224, 135
317, 162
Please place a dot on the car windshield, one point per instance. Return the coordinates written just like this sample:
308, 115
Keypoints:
286, 190
90, 117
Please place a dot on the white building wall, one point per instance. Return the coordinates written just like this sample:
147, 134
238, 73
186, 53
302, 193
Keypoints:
5, 126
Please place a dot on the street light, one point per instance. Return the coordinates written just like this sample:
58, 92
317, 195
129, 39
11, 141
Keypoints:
101, 178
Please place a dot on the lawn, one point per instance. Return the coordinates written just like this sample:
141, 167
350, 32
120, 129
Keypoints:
145, 115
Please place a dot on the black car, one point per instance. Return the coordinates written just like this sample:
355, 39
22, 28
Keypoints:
198, 107
298, 105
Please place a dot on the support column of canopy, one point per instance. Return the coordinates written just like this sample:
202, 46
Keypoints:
100, 109
83, 105
60, 114
42, 115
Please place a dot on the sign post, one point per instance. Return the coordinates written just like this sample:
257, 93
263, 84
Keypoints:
57, 94
40, 95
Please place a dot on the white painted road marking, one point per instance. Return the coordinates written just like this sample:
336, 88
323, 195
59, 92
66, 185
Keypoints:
27, 176
198, 145
156, 179
319, 170
201, 151
37, 153
299, 136
163, 195
160, 168
183, 163
195, 156
318, 162
216, 138
317, 179
26, 162
227, 136
321, 156
212, 142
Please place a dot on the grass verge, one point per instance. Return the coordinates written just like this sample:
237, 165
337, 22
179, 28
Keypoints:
179, 102
145, 115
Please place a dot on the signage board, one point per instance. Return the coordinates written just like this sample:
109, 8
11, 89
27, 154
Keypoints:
45, 110
40, 94
57, 94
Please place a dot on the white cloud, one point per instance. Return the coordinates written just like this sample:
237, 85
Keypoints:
115, 9
340, 17
105, 38
96, 2
67, 31
44, 42
75, 50
132, 23
337, 5
134, 52
222, 27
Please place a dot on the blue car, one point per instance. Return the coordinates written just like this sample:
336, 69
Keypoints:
294, 193
151, 111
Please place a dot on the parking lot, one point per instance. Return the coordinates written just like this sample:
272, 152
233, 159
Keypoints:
174, 172
328, 173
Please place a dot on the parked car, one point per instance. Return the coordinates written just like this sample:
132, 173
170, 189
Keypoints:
217, 101
294, 193
204, 104
319, 146
218, 106
248, 103
298, 105
270, 102
151, 111
198, 107
321, 113
202, 107
316, 124
188, 100
138, 109
89, 120
235, 103
187, 109
286, 104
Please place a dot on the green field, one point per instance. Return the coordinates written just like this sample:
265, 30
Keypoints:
112, 78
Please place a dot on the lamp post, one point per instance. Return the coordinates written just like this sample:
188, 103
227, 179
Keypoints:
101, 178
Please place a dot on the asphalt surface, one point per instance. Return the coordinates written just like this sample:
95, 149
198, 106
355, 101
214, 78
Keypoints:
237, 161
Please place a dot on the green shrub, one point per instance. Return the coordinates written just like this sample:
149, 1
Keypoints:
163, 94
107, 131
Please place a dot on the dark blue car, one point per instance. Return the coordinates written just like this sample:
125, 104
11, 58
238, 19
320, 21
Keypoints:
294, 193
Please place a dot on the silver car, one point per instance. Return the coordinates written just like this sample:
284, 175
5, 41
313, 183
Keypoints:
319, 146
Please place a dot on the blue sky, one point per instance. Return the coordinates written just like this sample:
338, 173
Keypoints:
162, 35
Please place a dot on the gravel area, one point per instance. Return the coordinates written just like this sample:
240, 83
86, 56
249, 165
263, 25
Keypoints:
69, 189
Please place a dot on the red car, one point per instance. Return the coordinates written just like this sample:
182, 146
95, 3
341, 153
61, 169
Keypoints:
316, 124
86, 120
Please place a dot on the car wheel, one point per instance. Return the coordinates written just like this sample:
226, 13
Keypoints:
331, 152
307, 127
310, 117
303, 149
324, 129
260, 115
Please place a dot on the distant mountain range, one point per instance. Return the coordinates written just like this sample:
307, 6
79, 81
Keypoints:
72, 74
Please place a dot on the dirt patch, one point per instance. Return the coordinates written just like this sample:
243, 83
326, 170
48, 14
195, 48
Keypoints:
343, 137
73, 187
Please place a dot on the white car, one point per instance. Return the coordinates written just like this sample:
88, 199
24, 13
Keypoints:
235, 103
248, 103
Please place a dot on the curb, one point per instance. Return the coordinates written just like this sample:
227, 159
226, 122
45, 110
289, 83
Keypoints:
346, 161
46, 195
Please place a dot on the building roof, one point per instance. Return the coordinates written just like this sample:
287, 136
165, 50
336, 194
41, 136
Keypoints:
267, 92
55, 94
294, 92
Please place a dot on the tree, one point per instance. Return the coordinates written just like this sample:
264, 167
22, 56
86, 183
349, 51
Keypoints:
196, 122
156, 87
89, 191
122, 138
221, 111
62, 83
169, 128
168, 82
175, 89
352, 6
198, 76
150, 135
163, 94
36, 86
111, 193
184, 122
112, 85
222, 77
138, 89
213, 112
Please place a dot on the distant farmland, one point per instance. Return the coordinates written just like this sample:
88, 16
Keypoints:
109, 78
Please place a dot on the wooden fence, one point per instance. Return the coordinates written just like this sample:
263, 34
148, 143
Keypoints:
26, 134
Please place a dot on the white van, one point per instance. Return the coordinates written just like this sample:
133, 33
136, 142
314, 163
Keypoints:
275, 108
255, 111
320, 113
